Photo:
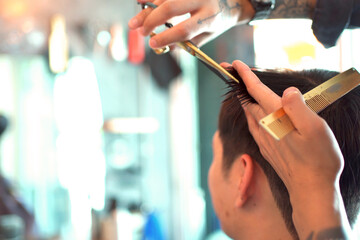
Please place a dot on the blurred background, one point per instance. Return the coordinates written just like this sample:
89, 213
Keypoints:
103, 139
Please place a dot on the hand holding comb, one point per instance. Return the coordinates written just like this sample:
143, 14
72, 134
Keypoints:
278, 124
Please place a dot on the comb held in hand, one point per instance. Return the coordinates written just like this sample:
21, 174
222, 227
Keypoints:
278, 124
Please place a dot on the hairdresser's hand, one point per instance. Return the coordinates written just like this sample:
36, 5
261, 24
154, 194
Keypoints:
307, 154
208, 19
308, 159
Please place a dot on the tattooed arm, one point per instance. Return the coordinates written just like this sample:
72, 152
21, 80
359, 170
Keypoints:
319, 212
208, 18
337, 233
293, 9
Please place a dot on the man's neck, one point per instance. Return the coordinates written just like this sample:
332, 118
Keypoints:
261, 217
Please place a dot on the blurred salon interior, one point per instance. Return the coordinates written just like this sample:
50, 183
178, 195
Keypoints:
101, 138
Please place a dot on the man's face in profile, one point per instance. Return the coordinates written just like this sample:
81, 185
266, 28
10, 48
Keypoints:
242, 198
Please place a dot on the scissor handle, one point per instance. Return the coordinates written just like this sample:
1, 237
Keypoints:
191, 48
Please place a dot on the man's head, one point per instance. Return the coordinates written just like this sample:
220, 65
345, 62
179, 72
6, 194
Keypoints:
240, 177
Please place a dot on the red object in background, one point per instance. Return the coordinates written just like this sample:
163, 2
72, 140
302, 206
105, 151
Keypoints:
136, 45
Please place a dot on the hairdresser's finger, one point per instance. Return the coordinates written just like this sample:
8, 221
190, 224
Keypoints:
266, 98
260, 136
203, 38
139, 19
253, 125
255, 110
167, 10
197, 41
300, 115
182, 31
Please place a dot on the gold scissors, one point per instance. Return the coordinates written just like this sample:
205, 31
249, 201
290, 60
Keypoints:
193, 50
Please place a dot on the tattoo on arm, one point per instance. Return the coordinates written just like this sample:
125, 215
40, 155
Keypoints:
292, 9
223, 6
336, 233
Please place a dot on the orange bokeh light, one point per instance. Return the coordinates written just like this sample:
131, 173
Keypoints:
13, 8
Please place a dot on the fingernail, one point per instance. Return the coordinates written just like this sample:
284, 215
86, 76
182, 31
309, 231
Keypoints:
133, 23
153, 43
238, 63
291, 92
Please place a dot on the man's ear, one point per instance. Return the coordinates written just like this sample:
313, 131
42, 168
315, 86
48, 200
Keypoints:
245, 167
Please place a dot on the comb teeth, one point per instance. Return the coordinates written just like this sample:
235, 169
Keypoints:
317, 103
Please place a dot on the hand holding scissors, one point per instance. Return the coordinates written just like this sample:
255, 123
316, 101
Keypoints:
208, 19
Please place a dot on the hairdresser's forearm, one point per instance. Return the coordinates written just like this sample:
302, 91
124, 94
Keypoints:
283, 9
319, 214
293, 9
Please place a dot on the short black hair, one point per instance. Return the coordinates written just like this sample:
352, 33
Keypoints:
343, 117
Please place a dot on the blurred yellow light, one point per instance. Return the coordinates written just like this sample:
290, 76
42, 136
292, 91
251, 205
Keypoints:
296, 52
58, 45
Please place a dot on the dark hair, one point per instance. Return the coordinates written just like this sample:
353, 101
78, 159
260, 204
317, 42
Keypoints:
343, 117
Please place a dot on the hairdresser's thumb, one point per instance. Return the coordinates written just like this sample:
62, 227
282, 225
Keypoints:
294, 106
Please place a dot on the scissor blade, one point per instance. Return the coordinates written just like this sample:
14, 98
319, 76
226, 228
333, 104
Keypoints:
187, 46
207, 60
195, 51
